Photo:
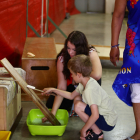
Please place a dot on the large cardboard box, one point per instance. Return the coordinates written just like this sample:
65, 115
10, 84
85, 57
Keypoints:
40, 69
10, 100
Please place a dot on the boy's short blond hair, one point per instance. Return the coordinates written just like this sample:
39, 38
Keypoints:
80, 64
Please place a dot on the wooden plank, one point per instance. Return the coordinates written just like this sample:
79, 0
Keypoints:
3, 100
30, 92
2, 110
103, 51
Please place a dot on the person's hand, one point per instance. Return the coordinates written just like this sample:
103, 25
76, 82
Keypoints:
83, 134
114, 55
47, 91
44, 119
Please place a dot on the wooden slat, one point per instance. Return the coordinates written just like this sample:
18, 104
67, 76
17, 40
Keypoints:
30, 92
3, 117
103, 51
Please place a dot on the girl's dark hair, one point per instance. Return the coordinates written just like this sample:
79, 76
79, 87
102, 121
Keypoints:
78, 39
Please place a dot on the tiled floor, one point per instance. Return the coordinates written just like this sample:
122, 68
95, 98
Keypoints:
97, 28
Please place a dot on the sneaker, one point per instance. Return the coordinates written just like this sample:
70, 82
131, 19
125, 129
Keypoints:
72, 113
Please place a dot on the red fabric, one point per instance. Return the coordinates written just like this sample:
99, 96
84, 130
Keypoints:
70, 7
13, 24
12, 29
56, 13
69, 81
34, 16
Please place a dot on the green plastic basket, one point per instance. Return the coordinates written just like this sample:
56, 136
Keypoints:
36, 127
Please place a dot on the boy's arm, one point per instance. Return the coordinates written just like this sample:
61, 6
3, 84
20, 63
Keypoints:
62, 93
92, 119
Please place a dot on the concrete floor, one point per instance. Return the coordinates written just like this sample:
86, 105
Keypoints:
97, 28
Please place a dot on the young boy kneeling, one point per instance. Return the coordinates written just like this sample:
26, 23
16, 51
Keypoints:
91, 102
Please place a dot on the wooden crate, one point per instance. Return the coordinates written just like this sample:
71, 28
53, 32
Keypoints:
8, 114
10, 100
41, 69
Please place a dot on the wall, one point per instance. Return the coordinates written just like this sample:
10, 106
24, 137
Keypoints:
109, 6
96, 6
81, 5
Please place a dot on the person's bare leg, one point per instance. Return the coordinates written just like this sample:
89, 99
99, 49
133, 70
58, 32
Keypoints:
77, 98
79, 108
136, 109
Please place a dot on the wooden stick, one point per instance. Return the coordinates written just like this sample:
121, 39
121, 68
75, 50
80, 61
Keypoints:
31, 87
30, 92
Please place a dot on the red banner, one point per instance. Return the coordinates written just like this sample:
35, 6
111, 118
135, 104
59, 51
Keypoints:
13, 24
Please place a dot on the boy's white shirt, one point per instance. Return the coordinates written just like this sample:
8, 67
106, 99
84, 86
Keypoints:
94, 94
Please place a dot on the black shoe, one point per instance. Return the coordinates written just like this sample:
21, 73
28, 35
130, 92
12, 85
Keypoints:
92, 135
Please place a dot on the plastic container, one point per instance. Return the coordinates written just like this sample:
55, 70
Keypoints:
5, 135
36, 127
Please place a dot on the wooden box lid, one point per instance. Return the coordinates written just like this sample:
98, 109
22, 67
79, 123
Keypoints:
42, 48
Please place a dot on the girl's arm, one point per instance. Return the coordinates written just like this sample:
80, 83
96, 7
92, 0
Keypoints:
92, 119
96, 66
62, 85
118, 15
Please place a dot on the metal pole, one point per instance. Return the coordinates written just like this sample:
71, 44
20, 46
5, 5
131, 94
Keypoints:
57, 27
46, 19
32, 28
27, 19
47, 6
42, 18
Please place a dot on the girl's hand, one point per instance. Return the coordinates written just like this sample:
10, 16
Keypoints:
44, 119
114, 55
